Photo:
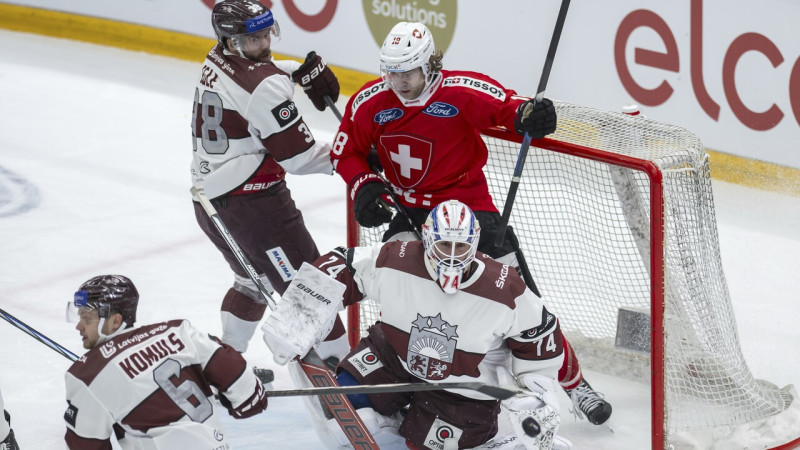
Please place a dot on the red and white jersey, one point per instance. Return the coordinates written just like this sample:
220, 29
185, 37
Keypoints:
151, 386
430, 148
247, 132
491, 321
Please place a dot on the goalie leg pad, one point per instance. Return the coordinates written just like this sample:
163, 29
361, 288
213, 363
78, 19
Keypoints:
383, 429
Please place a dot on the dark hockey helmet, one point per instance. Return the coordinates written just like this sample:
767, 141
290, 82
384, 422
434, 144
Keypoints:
109, 294
232, 18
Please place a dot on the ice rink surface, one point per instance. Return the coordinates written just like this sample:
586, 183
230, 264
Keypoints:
94, 178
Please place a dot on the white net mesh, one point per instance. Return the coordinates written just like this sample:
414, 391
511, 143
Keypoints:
584, 227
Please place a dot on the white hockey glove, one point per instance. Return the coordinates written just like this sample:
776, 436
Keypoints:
535, 417
305, 314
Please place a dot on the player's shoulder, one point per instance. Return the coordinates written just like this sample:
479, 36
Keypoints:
405, 256
372, 96
466, 82
244, 73
96, 359
497, 282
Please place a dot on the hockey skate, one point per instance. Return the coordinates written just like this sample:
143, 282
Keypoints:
589, 403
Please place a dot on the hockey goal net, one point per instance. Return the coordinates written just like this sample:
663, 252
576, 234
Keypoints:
615, 215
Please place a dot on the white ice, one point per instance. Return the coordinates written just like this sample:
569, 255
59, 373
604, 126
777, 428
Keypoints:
97, 140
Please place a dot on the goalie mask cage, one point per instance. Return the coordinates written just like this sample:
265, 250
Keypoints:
616, 212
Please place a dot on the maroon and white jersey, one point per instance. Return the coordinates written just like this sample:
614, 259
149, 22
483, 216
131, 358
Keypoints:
491, 321
151, 386
247, 132
430, 148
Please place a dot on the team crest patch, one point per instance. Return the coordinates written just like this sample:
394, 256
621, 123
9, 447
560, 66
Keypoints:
281, 263
365, 362
439, 431
285, 113
431, 347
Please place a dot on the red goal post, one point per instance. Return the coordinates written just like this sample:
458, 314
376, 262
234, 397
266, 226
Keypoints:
615, 216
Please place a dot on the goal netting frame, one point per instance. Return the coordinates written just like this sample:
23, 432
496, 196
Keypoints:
616, 212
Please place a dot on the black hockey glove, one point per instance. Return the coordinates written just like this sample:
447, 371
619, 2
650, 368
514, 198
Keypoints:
538, 121
317, 80
372, 205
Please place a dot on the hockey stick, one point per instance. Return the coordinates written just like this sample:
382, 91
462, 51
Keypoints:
312, 365
492, 391
38, 336
398, 206
526, 141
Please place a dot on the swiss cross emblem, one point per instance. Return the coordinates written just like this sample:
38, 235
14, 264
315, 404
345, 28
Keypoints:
431, 347
410, 158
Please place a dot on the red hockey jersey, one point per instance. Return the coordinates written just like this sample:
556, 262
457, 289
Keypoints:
431, 149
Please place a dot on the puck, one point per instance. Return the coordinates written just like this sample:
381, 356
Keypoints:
531, 427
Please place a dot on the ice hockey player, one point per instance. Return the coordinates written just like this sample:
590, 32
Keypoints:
247, 134
425, 123
150, 386
7, 439
448, 313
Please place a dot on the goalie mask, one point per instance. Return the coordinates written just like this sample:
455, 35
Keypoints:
108, 295
450, 236
247, 23
408, 46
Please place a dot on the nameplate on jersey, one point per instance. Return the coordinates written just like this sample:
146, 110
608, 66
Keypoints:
365, 362
285, 113
476, 84
441, 109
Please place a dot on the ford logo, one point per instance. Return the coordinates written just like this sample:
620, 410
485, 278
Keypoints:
388, 115
441, 109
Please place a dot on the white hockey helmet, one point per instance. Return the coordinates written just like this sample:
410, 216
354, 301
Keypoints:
450, 236
409, 45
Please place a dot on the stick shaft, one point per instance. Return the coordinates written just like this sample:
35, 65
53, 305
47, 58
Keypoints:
493, 391
526, 142
38, 336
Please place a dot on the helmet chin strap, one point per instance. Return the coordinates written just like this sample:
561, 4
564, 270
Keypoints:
102, 337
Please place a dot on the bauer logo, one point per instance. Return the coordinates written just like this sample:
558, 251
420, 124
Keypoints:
388, 115
281, 263
441, 109
285, 113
